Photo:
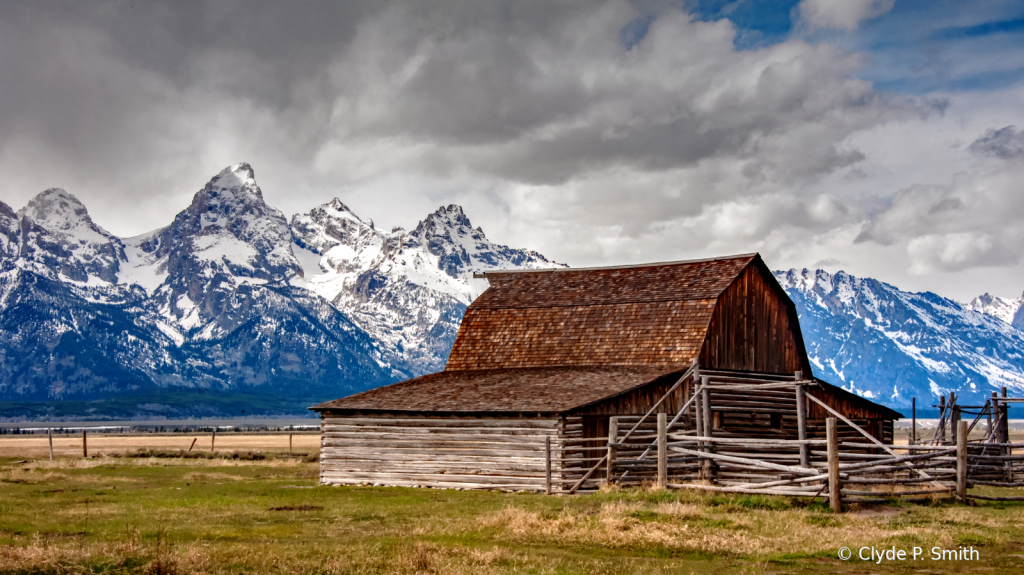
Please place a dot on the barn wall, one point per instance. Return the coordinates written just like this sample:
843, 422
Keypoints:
753, 328
849, 406
438, 451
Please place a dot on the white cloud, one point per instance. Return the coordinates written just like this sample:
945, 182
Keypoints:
841, 14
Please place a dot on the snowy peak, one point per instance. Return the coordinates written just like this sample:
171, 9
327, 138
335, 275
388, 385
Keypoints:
57, 210
997, 307
236, 178
59, 238
231, 200
329, 225
444, 219
229, 229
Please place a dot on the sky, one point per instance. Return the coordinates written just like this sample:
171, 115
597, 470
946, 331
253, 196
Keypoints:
884, 138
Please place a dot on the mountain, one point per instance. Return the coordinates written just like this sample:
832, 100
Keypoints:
233, 306
1008, 310
889, 345
230, 309
408, 290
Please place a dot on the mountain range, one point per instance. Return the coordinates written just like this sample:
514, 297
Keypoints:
231, 309
890, 345
234, 309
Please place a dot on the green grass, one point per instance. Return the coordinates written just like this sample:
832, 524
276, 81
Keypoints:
168, 515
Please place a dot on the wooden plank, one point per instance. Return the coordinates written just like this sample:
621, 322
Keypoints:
434, 484
768, 491
801, 419
961, 460
440, 421
662, 451
745, 461
547, 466
834, 495
613, 436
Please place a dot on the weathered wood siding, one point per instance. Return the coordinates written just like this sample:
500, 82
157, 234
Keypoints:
851, 407
454, 452
754, 328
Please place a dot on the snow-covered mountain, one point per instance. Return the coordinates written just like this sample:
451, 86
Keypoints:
229, 305
233, 307
1008, 310
408, 290
890, 345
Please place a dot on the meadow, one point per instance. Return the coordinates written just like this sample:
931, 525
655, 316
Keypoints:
240, 510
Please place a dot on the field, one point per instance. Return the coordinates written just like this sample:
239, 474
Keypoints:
236, 513
70, 445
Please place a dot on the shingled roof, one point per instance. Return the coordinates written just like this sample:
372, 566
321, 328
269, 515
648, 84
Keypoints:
536, 390
653, 315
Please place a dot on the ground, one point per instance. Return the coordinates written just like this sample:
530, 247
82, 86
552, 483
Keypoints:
237, 513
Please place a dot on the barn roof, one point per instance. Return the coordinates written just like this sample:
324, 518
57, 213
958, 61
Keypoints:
653, 315
533, 390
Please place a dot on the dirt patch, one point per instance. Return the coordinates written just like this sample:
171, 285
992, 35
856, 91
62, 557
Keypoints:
212, 476
298, 508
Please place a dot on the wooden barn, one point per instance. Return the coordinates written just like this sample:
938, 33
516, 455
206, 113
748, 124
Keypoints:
544, 359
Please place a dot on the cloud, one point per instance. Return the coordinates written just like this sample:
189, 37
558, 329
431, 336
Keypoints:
598, 133
1005, 143
972, 222
841, 14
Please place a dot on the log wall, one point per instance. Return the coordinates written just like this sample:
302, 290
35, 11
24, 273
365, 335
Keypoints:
505, 453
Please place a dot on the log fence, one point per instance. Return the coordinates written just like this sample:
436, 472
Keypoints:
842, 468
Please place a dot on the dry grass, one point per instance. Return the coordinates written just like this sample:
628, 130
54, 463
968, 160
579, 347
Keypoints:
127, 516
36, 446
758, 532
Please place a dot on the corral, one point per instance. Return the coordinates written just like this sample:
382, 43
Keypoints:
547, 363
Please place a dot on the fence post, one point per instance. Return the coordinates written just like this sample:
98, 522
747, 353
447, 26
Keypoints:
988, 417
801, 421
290, 443
213, 438
954, 423
662, 451
913, 422
942, 419
49, 435
1004, 424
547, 463
708, 423
834, 488
613, 436
699, 425
961, 461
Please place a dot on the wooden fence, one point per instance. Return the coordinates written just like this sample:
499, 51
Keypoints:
846, 467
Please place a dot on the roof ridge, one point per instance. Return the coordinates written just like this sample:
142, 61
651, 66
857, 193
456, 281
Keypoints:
620, 267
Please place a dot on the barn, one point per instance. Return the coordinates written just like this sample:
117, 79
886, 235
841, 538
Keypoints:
546, 361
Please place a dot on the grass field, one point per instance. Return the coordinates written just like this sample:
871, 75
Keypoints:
224, 515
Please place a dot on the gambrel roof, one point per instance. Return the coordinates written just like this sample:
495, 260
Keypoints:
648, 315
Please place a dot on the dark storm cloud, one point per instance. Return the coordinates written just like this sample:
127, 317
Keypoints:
1004, 143
596, 132
528, 92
